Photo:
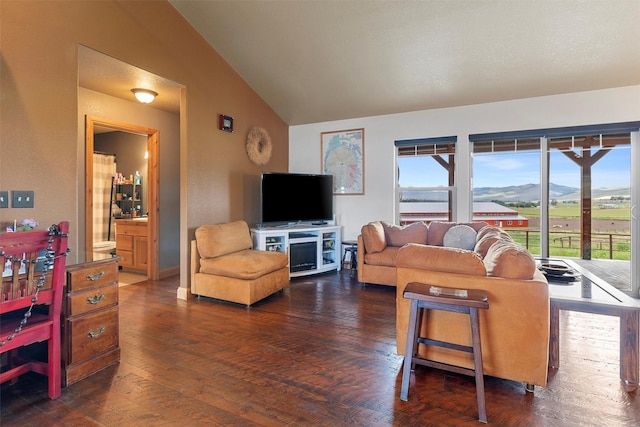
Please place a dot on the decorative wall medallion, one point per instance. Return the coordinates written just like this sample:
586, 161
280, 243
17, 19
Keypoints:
259, 145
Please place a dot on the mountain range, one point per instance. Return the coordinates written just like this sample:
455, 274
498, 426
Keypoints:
525, 193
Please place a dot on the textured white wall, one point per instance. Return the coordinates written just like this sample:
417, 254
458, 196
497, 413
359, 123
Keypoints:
584, 108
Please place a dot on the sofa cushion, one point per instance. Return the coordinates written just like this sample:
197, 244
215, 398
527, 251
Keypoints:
448, 260
386, 258
488, 229
247, 264
477, 225
460, 236
400, 236
510, 260
438, 229
487, 237
373, 237
221, 239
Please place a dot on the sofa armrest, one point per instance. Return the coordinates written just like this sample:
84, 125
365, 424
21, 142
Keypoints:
360, 257
195, 261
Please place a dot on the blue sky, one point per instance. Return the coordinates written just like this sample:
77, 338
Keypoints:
500, 170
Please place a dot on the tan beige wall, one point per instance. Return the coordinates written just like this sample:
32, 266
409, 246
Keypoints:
39, 108
99, 105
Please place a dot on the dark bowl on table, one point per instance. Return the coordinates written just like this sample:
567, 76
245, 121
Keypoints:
555, 269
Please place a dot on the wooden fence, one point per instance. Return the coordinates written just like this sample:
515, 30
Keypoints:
603, 245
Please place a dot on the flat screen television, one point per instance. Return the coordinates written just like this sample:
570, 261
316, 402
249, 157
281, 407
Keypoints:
288, 198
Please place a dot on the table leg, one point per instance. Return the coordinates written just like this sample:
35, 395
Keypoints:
411, 348
554, 335
477, 364
629, 350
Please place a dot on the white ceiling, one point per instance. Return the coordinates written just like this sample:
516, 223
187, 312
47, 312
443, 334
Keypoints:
105, 74
321, 60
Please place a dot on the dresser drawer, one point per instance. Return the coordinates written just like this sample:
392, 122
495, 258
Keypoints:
94, 276
92, 334
91, 299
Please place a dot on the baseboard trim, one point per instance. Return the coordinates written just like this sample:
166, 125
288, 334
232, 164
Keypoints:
182, 293
169, 272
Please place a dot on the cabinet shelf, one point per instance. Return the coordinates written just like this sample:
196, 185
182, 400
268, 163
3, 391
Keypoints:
127, 197
311, 249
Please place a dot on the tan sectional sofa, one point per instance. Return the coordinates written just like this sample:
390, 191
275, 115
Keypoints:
224, 265
379, 243
514, 330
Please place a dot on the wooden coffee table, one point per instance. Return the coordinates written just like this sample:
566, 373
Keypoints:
587, 293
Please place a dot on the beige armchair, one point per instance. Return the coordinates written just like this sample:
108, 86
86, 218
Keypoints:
224, 265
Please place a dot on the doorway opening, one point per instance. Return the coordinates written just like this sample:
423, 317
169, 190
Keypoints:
143, 249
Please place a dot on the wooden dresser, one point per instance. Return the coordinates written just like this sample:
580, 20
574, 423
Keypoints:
90, 328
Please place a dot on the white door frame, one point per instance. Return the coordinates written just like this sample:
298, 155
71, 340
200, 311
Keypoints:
635, 213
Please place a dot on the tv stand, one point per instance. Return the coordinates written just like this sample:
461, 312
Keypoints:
311, 248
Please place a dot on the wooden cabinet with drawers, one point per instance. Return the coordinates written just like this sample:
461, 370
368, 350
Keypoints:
90, 328
131, 244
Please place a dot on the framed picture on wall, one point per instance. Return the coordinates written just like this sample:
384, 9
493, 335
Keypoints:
342, 155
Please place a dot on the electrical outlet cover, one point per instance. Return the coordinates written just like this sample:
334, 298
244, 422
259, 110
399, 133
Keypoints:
22, 199
4, 199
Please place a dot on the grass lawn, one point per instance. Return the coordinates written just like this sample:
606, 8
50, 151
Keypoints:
621, 250
573, 211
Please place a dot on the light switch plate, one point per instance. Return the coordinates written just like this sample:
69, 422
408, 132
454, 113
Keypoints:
4, 199
22, 199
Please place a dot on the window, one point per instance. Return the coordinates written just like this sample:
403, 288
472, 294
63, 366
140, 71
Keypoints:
590, 214
506, 186
426, 180
584, 203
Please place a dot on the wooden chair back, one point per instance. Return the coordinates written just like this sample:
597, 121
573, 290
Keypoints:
33, 274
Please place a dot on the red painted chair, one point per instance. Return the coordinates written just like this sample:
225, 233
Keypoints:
33, 268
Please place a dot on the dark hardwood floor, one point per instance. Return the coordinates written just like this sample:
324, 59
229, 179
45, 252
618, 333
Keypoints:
321, 353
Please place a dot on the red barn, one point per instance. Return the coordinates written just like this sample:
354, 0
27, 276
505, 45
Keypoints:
490, 212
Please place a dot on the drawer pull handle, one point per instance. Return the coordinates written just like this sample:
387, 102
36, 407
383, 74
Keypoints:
96, 332
96, 299
95, 277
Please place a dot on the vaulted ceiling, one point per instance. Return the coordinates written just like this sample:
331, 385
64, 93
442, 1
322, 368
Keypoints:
322, 60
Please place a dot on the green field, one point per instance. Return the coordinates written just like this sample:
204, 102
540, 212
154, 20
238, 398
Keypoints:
566, 241
568, 211
559, 245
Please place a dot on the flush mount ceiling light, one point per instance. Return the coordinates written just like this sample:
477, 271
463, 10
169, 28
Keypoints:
144, 95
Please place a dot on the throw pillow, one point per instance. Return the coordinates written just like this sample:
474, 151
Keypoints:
400, 236
509, 260
373, 237
460, 236
438, 229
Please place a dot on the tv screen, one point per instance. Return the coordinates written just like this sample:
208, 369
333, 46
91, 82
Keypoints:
291, 198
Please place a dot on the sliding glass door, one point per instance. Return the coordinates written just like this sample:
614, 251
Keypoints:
590, 197
635, 213
569, 192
